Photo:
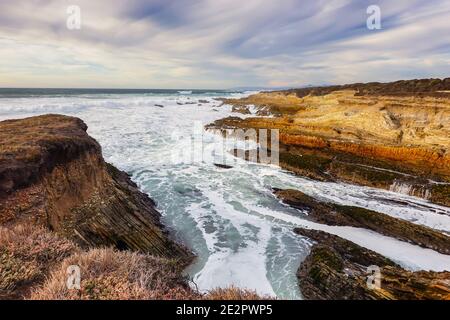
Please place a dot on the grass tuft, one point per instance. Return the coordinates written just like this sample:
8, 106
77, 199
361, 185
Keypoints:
26, 254
107, 274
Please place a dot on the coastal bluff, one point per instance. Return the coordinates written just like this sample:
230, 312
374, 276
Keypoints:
52, 174
393, 136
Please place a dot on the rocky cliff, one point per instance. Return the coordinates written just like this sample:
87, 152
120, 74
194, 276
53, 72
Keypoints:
387, 135
339, 269
394, 136
52, 174
340, 215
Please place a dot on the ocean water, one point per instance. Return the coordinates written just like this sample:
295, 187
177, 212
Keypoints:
240, 232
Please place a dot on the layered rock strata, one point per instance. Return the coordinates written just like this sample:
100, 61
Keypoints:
52, 173
340, 215
394, 136
338, 269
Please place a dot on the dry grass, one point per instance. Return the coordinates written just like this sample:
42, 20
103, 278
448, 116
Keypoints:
23, 139
34, 263
107, 274
234, 293
26, 254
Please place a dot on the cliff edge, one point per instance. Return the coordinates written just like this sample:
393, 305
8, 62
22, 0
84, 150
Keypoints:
52, 174
393, 136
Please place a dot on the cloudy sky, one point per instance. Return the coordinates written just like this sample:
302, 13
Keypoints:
220, 43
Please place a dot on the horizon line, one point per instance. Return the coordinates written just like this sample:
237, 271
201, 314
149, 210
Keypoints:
237, 87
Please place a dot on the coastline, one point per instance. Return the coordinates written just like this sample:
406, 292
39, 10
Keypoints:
360, 134
433, 236
376, 135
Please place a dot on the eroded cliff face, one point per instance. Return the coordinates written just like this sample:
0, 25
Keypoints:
338, 269
393, 136
340, 215
53, 174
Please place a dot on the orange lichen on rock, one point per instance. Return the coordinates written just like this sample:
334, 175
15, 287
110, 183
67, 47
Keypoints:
373, 134
414, 155
302, 140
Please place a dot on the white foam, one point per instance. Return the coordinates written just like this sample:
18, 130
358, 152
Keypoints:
238, 228
409, 256
225, 265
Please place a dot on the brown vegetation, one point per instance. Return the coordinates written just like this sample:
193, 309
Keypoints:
107, 274
34, 264
416, 87
234, 293
26, 255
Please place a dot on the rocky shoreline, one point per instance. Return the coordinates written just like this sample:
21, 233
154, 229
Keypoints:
61, 204
53, 174
391, 136
363, 134
339, 215
338, 269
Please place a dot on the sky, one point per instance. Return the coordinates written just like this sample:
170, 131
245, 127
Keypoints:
220, 43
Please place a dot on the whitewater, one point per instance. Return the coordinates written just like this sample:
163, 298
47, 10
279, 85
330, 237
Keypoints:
241, 233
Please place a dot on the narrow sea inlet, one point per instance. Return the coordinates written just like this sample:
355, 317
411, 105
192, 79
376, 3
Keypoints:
241, 233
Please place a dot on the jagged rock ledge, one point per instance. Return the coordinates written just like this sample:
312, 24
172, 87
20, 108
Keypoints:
340, 215
337, 269
52, 173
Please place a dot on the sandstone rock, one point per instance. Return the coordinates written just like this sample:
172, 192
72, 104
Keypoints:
338, 269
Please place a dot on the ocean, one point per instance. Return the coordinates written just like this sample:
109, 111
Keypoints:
241, 233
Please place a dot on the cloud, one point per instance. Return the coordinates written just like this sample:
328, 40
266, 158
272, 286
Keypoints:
220, 43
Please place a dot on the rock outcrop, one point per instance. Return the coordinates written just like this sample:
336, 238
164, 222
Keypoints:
393, 136
338, 269
53, 174
340, 215
401, 88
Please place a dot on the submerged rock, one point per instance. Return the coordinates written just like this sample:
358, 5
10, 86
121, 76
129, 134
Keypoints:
339, 269
223, 166
52, 173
